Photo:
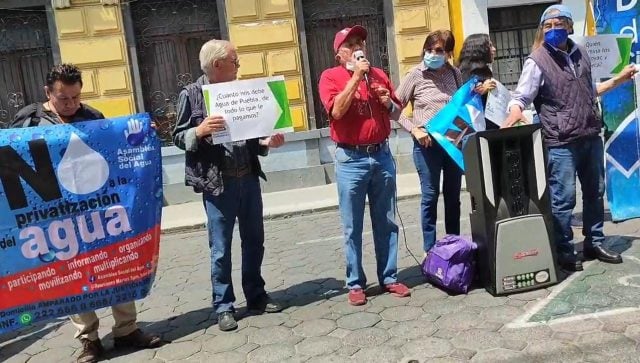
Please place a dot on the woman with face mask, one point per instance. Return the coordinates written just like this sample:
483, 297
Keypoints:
429, 86
475, 59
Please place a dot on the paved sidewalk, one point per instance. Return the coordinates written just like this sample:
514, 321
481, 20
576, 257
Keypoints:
277, 204
593, 316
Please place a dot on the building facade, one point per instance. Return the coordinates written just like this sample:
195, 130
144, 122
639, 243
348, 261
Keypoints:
137, 55
512, 25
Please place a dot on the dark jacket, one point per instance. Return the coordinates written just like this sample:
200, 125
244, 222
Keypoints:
203, 160
478, 69
566, 101
35, 115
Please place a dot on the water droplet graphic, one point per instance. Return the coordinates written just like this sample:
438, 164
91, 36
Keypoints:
159, 193
82, 170
63, 151
48, 257
48, 132
36, 136
106, 124
152, 133
14, 138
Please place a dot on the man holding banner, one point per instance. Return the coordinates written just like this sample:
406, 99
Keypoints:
359, 99
63, 88
227, 175
557, 79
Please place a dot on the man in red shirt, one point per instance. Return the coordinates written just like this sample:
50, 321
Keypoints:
359, 100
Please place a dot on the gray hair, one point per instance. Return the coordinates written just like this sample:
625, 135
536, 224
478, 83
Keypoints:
211, 51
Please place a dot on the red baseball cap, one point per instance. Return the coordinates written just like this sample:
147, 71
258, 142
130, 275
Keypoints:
345, 33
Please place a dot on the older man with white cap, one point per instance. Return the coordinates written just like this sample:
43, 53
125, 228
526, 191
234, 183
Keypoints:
556, 77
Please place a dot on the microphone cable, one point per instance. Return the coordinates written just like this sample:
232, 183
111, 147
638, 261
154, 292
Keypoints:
404, 232
359, 54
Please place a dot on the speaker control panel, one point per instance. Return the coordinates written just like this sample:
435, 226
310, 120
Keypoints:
525, 280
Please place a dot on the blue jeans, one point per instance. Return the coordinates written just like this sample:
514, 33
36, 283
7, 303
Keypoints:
430, 162
242, 199
585, 158
358, 175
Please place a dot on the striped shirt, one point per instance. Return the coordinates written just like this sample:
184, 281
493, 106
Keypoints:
428, 91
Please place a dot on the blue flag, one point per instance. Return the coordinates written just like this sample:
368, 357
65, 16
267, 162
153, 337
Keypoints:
621, 115
458, 119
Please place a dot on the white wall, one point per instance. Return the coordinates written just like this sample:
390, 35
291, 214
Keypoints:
579, 12
475, 15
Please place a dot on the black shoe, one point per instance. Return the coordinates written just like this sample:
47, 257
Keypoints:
264, 304
570, 262
602, 254
91, 351
138, 340
226, 321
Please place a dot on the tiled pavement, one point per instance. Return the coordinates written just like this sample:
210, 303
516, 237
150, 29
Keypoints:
304, 266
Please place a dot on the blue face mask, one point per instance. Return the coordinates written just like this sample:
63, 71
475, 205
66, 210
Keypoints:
433, 61
555, 37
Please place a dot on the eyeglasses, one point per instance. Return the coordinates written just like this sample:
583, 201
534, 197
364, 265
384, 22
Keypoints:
235, 61
435, 50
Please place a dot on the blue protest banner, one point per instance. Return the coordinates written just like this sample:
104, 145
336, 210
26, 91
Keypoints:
620, 108
459, 118
80, 208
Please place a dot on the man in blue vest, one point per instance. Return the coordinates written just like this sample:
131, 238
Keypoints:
227, 175
556, 77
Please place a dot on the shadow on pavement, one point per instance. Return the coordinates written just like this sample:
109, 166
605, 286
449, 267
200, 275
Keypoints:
177, 327
27, 337
302, 294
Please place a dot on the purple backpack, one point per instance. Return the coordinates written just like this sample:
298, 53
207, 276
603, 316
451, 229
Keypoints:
451, 263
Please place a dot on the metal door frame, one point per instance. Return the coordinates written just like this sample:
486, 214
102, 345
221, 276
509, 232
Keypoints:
134, 65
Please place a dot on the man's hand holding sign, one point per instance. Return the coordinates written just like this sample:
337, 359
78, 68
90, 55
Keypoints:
210, 125
246, 109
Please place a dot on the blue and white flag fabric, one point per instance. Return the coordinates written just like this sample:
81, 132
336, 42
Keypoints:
461, 117
621, 110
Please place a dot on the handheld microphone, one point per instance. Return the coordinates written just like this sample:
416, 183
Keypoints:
359, 55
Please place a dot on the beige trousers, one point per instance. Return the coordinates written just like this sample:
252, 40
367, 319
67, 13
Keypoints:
88, 323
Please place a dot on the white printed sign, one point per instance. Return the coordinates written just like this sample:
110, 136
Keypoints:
609, 53
497, 102
251, 108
